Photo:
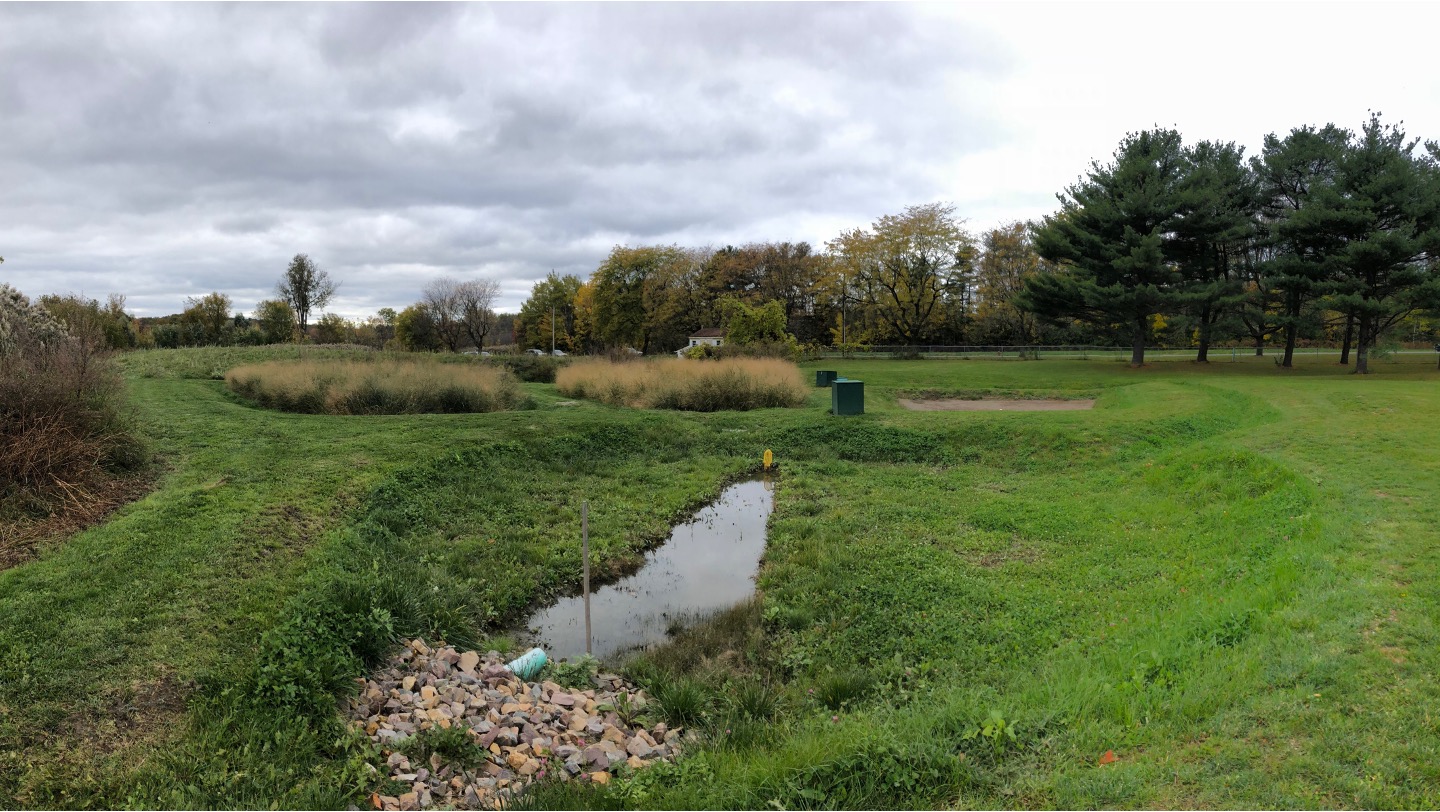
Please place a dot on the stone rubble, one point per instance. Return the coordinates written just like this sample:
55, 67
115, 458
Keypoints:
530, 730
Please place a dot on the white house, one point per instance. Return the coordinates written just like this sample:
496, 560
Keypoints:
712, 336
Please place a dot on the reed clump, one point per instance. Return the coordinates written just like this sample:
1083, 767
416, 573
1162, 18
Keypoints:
385, 386
735, 384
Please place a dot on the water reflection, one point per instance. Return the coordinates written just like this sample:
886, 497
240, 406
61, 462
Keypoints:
707, 564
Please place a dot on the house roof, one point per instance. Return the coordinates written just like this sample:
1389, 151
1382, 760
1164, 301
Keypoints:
708, 332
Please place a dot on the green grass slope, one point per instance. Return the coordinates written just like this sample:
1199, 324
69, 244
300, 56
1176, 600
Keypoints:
1223, 574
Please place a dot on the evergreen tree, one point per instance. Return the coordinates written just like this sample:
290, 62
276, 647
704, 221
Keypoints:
1384, 213
1291, 174
1114, 236
1215, 226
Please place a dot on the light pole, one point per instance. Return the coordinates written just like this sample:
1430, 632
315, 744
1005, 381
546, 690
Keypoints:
552, 328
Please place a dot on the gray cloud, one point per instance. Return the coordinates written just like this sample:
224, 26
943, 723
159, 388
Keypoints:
164, 151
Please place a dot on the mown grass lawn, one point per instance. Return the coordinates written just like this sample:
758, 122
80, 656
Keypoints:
1223, 574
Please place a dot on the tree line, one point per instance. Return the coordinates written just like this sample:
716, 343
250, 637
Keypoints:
453, 314
1327, 234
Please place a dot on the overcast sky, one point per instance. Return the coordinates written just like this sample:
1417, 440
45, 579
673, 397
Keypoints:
165, 151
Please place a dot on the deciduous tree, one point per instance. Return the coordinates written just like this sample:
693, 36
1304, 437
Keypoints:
753, 325
631, 293
415, 329
553, 294
332, 328
1006, 261
476, 301
276, 321
305, 287
211, 313
441, 299
905, 264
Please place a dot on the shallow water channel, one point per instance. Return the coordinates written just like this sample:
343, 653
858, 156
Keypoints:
707, 564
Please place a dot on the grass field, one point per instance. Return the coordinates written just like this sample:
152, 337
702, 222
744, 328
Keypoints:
1223, 574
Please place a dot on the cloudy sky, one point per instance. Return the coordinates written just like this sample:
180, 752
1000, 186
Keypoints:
165, 151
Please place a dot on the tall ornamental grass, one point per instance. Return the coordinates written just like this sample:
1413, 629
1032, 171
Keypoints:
376, 387
697, 386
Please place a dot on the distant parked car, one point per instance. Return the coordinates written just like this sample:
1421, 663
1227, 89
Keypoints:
533, 351
557, 352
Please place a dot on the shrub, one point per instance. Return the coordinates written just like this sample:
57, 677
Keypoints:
698, 386
530, 368
788, 349
62, 428
378, 387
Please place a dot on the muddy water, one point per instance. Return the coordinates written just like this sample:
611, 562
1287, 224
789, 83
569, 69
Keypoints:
707, 564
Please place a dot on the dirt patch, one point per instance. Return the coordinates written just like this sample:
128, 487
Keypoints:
960, 405
992, 559
146, 710
21, 541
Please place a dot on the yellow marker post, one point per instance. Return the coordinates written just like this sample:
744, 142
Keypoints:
769, 459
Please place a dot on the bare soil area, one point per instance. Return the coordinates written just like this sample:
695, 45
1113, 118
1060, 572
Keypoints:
958, 405
21, 540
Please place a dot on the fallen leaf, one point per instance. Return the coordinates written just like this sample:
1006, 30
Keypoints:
375, 799
1108, 758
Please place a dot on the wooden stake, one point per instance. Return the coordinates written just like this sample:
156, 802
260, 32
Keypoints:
585, 554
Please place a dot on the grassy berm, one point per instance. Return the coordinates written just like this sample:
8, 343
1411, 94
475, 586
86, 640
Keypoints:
1216, 589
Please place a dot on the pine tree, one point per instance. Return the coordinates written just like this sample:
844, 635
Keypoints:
1384, 213
1292, 174
1113, 234
1213, 231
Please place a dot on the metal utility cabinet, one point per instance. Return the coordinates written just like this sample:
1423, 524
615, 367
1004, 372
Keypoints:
825, 377
847, 396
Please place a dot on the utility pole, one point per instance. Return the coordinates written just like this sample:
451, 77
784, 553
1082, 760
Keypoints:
552, 328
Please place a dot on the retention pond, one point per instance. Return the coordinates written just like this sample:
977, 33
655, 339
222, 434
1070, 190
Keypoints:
708, 564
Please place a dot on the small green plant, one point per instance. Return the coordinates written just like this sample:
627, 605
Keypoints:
653, 781
573, 673
756, 700
455, 745
842, 689
793, 618
682, 701
995, 730
626, 707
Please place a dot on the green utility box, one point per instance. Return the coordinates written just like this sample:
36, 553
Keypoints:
847, 396
825, 377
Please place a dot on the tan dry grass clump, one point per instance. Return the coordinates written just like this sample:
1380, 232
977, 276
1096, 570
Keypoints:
697, 386
376, 387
